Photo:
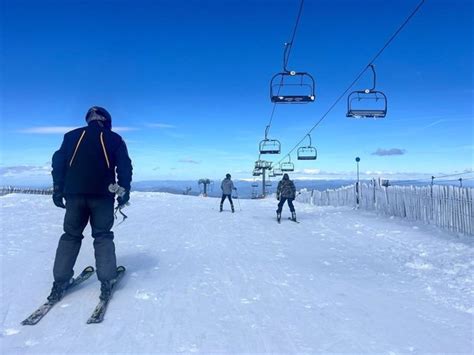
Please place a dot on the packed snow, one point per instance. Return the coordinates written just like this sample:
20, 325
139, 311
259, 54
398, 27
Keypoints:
341, 281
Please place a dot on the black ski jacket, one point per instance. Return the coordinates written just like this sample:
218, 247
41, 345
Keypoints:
286, 189
88, 160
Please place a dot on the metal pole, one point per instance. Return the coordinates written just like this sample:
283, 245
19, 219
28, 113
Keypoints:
357, 159
431, 187
263, 182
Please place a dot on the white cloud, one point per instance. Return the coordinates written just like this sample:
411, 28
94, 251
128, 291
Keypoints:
385, 152
189, 161
47, 130
124, 129
24, 170
65, 129
160, 125
311, 171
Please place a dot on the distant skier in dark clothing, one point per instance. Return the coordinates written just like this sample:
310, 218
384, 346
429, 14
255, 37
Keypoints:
286, 191
83, 169
227, 186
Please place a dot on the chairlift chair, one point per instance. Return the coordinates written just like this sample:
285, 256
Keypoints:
307, 152
368, 103
291, 87
257, 172
269, 146
277, 172
287, 166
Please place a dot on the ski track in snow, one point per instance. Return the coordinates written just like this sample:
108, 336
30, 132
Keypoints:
202, 281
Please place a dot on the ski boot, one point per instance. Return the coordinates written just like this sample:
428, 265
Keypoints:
58, 290
105, 290
232, 207
220, 210
293, 216
278, 217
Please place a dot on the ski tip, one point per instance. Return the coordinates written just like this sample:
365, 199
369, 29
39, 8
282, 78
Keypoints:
121, 268
30, 321
93, 321
89, 269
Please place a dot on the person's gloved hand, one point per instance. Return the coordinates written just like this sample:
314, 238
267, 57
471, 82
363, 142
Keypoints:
58, 196
123, 200
278, 197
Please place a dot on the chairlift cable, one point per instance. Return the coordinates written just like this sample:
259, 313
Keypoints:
438, 177
371, 62
450, 175
289, 45
286, 57
435, 178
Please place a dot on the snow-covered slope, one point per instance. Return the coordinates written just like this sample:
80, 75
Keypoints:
199, 280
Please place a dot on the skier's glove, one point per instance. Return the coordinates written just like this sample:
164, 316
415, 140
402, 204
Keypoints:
123, 200
278, 197
58, 196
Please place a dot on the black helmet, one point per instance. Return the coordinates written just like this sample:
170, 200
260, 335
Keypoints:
227, 176
100, 114
286, 177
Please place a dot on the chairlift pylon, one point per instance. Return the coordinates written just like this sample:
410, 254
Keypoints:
263, 164
368, 103
269, 146
307, 152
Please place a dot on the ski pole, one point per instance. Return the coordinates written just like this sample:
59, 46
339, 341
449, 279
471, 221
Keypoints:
119, 191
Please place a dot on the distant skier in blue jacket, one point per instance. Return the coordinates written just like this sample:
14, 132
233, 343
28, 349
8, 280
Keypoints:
227, 186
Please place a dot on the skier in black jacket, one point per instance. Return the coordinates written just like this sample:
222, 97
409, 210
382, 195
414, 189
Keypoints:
83, 169
286, 191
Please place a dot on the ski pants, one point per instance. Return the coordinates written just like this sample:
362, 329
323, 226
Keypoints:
282, 202
80, 209
230, 200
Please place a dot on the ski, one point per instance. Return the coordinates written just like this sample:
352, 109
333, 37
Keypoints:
37, 315
99, 311
293, 220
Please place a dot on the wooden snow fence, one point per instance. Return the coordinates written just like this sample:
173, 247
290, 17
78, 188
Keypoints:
21, 190
448, 207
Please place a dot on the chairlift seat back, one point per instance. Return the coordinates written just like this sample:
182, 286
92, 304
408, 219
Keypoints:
287, 166
307, 153
292, 88
366, 104
270, 146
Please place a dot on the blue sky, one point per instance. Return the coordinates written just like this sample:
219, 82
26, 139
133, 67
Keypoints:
187, 83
